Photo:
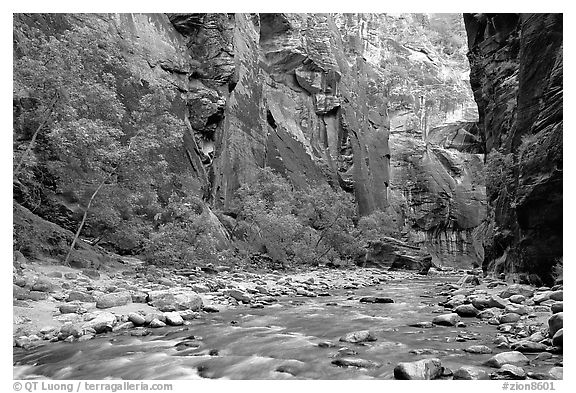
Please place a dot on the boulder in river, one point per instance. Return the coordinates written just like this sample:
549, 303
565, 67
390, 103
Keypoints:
355, 362
555, 323
376, 299
557, 307
173, 318
420, 370
358, 336
114, 299
446, 319
509, 372
511, 357
478, 349
497, 301
517, 289
80, 296
470, 373
558, 338
136, 319
509, 318
466, 310
556, 372
175, 300
103, 322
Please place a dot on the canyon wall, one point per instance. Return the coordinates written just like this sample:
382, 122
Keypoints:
517, 75
376, 105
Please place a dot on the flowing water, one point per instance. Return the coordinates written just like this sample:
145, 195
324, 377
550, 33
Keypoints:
276, 342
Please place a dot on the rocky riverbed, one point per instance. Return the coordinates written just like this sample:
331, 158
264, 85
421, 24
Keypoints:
216, 322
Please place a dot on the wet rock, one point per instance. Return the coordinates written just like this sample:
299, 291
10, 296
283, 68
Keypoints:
188, 315
555, 323
239, 295
427, 351
139, 297
156, 323
376, 299
456, 301
481, 302
557, 295
446, 319
173, 318
509, 318
469, 279
527, 346
558, 338
304, 292
80, 296
71, 308
326, 344
466, 310
113, 299
346, 352
478, 349
123, 326
470, 373
71, 276
486, 314
175, 300
511, 357
422, 325
140, 332
517, 309
518, 299
556, 373
69, 329
517, 289
508, 372
103, 322
136, 319
557, 307
210, 309
424, 369
497, 302
541, 297
358, 336
537, 337
43, 285
355, 362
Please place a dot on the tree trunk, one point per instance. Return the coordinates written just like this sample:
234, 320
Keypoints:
77, 235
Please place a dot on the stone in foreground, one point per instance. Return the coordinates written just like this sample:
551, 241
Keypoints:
511, 357
358, 336
420, 370
446, 319
509, 372
114, 299
470, 373
355, 362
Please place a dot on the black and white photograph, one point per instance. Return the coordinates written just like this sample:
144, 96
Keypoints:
286, 196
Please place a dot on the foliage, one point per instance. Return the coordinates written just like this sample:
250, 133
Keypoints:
499, 172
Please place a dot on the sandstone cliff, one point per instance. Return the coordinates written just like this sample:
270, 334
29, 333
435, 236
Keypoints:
516, 74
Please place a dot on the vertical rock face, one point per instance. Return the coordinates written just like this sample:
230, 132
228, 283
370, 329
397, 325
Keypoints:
516, 74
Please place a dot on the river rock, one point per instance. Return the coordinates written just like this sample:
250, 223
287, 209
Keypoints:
156, 323
466, 310
175, 300
69, 308
136, 319
557, 295
446, 319
239, 295
123, 326
528, 346
556, 372
541, 297
486, 314
113, 299
555, 323
508, 372
470, 373
358, 336
481, 302
518, 299
103, 322
557, 307
80, 296
469, 279
69, 329
455, 301
422, 325
188, 315
517, 309
139, 297
509, 318
43, 285
558, 338
355, 362
173, 318
511, 357
478, 349
497, 301
420, 370
517, 289
376, 299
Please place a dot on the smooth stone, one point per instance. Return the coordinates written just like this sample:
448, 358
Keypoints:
529, 346
239, 295
555, 323
511, 357
518, 299
358, 336
466, 310
173, 318
557, 307
136, 319
156, 323
103, 322
556, 372
80, 296
497, 302
376, 299
517, 289
422, 325
70, 308
43, 285
446, 319
478, 349
509, 318
557, 295
481, 302
355, 362
486, 314
113, 299
517, 309
470, 373
424, 369
509, 372
175, 300
558, 339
